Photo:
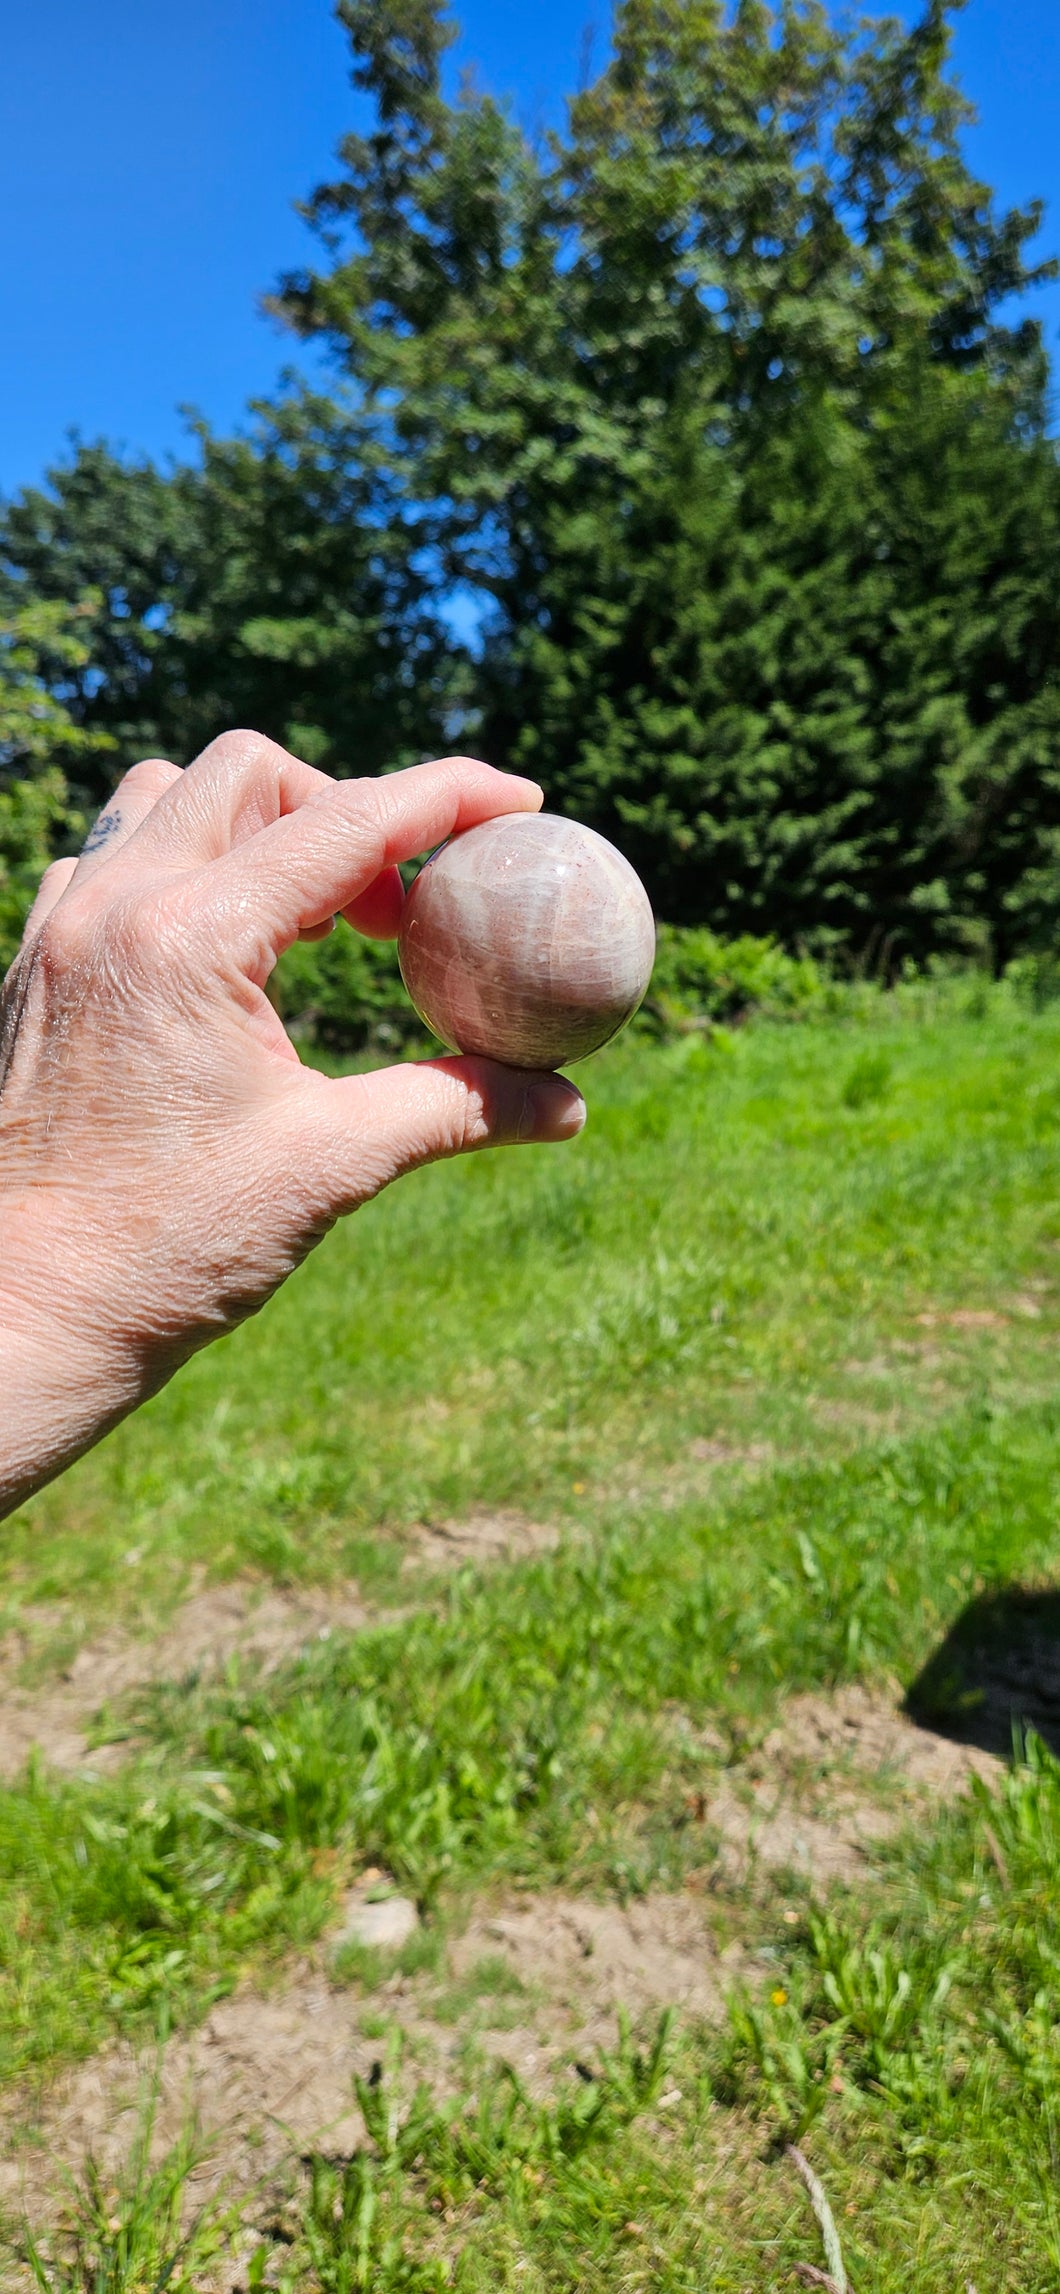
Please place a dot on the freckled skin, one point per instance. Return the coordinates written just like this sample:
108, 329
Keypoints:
528, 940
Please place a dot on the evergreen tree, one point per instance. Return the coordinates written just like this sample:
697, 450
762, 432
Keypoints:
713, 404
275, 583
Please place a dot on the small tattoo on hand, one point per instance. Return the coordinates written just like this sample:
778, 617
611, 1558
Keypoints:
102, 831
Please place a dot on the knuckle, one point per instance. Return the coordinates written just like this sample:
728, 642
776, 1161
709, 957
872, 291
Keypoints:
233, 751
150, 777
140, 933
66, 937
475, 1115
366, 809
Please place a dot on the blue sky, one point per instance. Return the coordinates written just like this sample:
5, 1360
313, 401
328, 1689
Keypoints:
149, 158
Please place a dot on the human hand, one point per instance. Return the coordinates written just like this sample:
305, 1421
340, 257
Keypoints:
165, 1159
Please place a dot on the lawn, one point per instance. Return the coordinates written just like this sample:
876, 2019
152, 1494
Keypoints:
771, 1348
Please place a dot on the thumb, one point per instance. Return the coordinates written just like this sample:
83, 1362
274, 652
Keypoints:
361, 1131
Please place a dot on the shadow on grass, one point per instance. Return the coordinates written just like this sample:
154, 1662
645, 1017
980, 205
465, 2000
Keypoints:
997, 1669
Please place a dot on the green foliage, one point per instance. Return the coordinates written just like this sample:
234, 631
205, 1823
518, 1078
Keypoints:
358, 2214
346, 994
868, 1080
274, 582
931, 2013
714, 403
43, 647
716, 409
138, 2233
699, 976
475, 1737
801, 1429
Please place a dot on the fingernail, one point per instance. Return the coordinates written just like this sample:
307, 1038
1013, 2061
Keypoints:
552, 1109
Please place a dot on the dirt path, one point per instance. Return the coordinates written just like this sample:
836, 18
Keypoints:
257, 1623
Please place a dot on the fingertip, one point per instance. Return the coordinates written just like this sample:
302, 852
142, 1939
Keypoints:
376, 912
553, 1109
520, 793
530, 791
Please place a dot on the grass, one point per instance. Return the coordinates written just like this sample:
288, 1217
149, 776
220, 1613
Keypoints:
777, 1341
732, 1250
140, 2230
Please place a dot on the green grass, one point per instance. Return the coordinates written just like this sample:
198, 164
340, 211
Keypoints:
732, 1250
713, 1342
140, 2231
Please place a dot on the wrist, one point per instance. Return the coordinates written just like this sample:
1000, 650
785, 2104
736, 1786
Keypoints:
65, 1377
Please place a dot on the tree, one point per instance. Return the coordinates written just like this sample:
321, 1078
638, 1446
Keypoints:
712, 402
39, 644
715, 402
274, 582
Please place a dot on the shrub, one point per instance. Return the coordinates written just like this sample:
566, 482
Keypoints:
345, 994
699, 978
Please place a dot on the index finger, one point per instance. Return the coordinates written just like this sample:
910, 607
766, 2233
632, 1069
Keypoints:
317, 860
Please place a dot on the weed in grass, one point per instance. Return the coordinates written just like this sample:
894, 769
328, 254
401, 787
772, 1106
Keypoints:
487, 2151
135, 2233
868, 1080
491, 1983
530, 1725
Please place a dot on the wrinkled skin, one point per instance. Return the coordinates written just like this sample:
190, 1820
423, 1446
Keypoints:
165, 1159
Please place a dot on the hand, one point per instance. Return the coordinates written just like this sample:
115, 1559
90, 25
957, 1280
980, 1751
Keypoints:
165, 1159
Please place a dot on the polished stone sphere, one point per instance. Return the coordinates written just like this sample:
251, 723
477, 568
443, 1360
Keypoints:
528, 939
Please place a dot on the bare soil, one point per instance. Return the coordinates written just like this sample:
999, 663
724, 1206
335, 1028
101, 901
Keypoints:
270, 2071
254, 1622
262, 1625
485, 1535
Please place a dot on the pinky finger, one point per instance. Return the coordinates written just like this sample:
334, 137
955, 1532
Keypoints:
135, 796
52, 885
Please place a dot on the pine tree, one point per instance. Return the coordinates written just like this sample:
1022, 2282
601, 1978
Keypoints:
715, 403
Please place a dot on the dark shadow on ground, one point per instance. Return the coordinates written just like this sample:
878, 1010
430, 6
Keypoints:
997, 1669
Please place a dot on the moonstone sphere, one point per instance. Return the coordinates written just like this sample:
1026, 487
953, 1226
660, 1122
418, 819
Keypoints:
528, 939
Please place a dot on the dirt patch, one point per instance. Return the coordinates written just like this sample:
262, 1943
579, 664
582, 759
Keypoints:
761, 1825
590, 1959
692, 1472
837, 1776
963, 1318
270, 2073
257, 1624
854, 1734
483, 1536
858, 1417
710, 1450
261, 1625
